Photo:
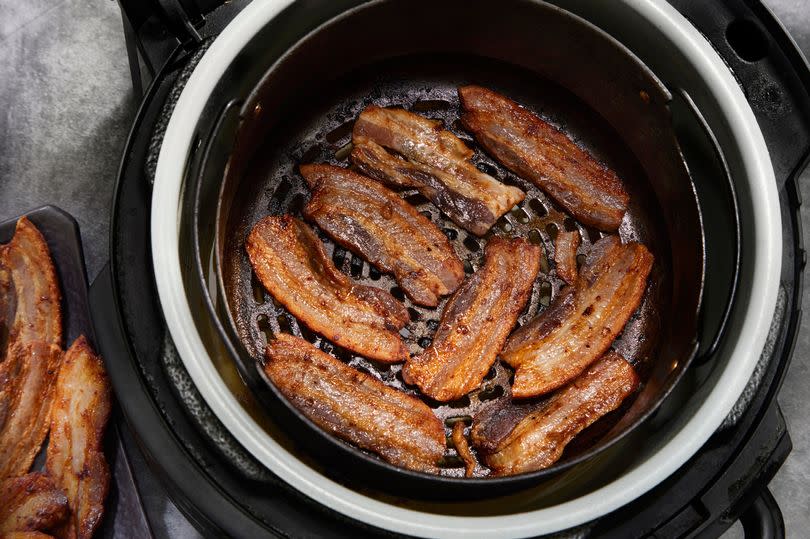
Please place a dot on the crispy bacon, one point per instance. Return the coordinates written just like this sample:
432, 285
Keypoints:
520, 438
29, 503
539, 152
75, 457
27, 381
581, 323
432, 160
293, 266
355, 406
27, 535
36, 290
476, 322
463, 449
365, 217
565, 255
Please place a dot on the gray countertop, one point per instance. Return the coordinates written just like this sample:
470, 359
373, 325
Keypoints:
66, 104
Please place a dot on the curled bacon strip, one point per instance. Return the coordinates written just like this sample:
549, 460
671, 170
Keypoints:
36, 290
29, 503
476, 321
516, 439
432, 160
463, 449
355, 406
365, 217
582, 321
293, 266
539, 152
75, 457
565, 255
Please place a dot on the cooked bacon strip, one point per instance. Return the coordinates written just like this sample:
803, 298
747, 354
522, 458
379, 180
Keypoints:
75, 457
27, 535
435, 162
539, 152
365, 217
582, 321
517, 439
27, 381
463, 449
36, 289
565, 255
355, 406
292, 265
29, 503
476, 322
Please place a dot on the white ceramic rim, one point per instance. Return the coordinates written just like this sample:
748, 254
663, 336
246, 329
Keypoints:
166, 217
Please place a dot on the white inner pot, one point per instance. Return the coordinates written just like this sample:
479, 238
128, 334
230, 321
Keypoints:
678, 54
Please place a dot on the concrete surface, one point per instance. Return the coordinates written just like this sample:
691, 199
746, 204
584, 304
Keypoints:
66, 104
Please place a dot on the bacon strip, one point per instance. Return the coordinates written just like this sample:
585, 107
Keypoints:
29, 503
518, 439
539, 152
355, 406
36, 290
75, 457
432, 160
582, 322
565, 255
463, 449
27, 381
365, 217
292, 265
476, 322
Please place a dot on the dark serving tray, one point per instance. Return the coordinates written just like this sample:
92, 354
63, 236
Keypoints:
124, 514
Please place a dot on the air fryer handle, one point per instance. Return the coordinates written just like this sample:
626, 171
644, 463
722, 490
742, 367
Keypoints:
763, 520
769, 67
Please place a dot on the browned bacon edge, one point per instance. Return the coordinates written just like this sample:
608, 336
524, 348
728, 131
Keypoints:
354, 406
521, 438
476, 321
292, 264
582, 321
372, 221
29, 503
565, 255
539, 152
432, 160
75, 457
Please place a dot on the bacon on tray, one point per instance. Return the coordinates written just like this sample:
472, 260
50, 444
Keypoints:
75, 457
565, 255
432, 160
539, 152
355, 406
27, 381
29, 503
292, 264
521, 438
476, 321
369, 219
35, 287
582, 321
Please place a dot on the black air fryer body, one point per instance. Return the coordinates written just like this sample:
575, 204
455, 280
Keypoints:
223, 490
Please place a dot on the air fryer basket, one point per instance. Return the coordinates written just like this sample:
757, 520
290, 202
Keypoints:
255, 133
